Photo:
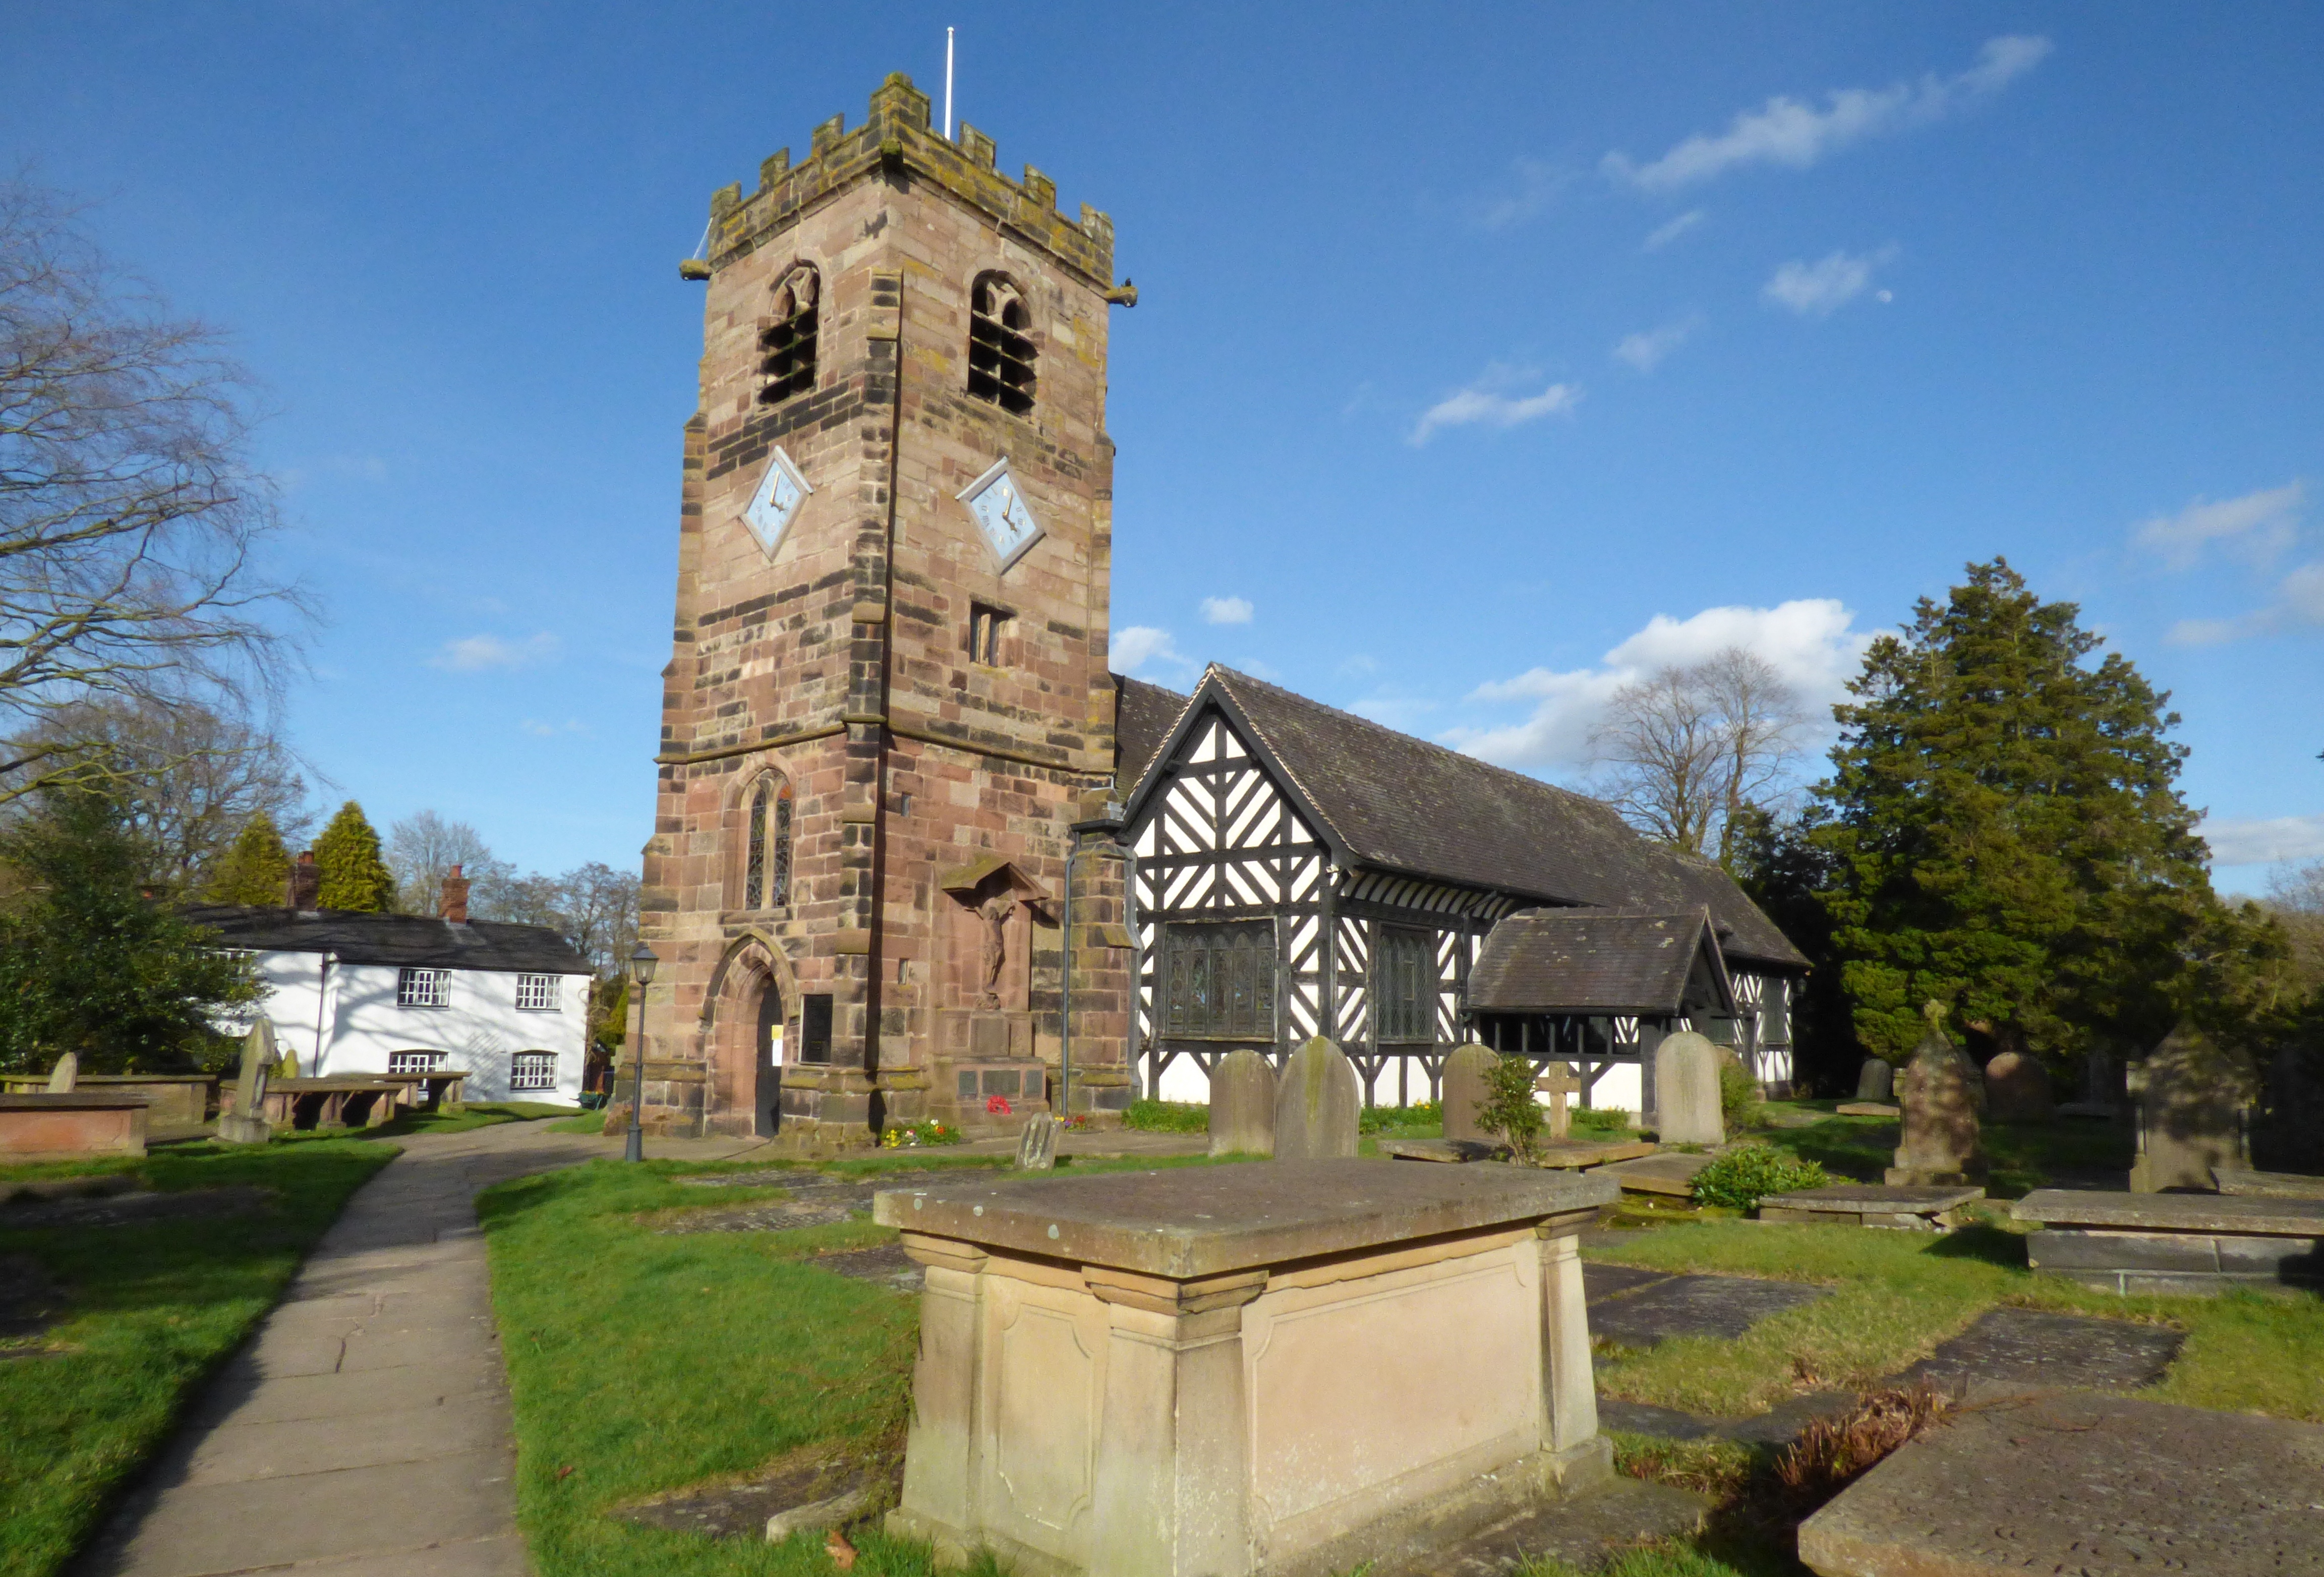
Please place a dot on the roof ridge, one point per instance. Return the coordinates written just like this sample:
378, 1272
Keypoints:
1282, 760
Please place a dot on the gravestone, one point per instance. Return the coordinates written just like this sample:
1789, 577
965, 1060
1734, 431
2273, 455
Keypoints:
2018, 1089
1467, 1072
1686, 1091
287, 1066
1242, 1105
2194, 1100
1037, 1146
1877, 1080
66, 1075
1941, 1143
246, 1124
1557, 1082
1317, 1104
2101, 1093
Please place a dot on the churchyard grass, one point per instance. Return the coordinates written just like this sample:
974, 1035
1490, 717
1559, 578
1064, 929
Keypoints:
1897, 1295
641, 1363
2023, 1155
473, 1114
149, 1311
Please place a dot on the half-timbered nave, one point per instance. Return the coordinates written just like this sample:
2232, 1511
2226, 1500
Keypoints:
1301, 870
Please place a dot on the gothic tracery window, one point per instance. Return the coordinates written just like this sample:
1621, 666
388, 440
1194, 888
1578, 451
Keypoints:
1000, 346
767, 863
787, 344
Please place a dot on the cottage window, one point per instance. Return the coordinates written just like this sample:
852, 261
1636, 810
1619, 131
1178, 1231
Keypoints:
767, 858
1404, 992
787, 344
414, 1062
537, 993
423, 987
1000, 346
533, 1069
1219, 979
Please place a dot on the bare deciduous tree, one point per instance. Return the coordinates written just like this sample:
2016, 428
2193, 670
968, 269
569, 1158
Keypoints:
1686, 749
131, 512
2295, 897
594, 906
422, 848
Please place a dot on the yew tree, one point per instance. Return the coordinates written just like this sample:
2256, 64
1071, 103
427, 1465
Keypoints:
255, 868
2008, 839
352, 873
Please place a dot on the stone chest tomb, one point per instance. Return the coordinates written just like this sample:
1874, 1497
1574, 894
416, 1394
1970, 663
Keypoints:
1221, 1371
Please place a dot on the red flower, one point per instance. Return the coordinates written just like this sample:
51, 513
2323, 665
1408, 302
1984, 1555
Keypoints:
997, 1104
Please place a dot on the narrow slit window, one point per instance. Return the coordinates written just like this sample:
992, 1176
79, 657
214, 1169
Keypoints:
987, 627
1000, 346
787, 344
815, 1027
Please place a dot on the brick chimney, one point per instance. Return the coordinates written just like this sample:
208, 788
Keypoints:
305, 881
454, 903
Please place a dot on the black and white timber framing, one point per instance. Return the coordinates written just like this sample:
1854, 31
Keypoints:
1365, 867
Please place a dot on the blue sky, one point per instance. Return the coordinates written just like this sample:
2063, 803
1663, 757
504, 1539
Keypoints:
1485, 355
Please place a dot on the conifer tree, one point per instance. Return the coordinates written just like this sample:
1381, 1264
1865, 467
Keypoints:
2007, 834
255, 868
354, 876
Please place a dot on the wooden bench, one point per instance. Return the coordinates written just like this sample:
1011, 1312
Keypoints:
2174, 1243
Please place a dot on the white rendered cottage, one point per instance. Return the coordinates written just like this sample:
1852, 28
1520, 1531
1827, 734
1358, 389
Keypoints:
366, 993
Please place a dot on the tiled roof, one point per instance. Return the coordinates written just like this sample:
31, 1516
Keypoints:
1404, 805
1143, 717
396, 939
1588, 961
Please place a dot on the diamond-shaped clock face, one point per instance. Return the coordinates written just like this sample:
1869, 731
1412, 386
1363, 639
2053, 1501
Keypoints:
1001, 513
777, 501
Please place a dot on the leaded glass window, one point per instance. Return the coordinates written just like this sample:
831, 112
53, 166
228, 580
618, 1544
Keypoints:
1405, 989
767, 855
1219, 979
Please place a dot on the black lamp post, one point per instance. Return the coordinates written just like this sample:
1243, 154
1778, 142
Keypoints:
641, 974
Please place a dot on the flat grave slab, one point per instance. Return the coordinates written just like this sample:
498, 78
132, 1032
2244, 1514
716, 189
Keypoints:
1573, 1154
1869, 1108
1695, 1306
1588, 1533
2267, 1184
2032, 1348
138, 1208
837, 1488
2174, 1243
1438, 1149
887, 1264
1671, 1173
1600, 1282
1873, 1204
817, 1199
2079, 1482
1779, 1425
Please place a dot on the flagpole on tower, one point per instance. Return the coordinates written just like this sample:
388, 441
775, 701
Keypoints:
947, 85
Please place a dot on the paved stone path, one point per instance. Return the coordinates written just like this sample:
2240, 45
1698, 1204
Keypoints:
365, 1430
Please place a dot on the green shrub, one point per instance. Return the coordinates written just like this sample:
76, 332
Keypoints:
1738, 1095
1747, 1174
1508, 1110
1167, 1117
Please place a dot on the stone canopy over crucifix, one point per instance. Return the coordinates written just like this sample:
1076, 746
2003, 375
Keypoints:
990, 944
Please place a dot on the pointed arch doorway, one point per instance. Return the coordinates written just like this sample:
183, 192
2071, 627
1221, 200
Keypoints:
767, 1060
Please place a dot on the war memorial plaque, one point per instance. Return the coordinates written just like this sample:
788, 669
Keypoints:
1241, 1369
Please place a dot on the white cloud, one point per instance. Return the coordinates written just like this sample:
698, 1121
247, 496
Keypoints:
1134, 648
2298, 601
1482, 402
478, 653
1670, 230
1819, 289
1811, 643
1226, 611
1784, 131
2264, 841
1538, 181
2257, 527
1646, 350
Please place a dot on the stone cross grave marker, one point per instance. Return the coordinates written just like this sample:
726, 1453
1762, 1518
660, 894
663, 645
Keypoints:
1941, 1142
2194, 1100
1466, 1072
246, 1124
1876, 1081
1686, 1091
2018, 1089
1242, 1105
66, 1075
1037, 1146
1317, 1104
1558, 1082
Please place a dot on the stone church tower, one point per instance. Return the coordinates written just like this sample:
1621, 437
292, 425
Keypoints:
888, 716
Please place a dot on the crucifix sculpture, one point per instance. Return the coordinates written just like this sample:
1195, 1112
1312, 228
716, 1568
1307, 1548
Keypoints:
994, 912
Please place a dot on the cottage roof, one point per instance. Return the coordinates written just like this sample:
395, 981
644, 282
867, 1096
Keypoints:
1394, 803
1143, 718
1597, 961
414, 940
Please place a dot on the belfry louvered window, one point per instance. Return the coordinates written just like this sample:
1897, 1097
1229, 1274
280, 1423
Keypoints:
1000, 346
1219, 979
1404, 994
767, 863
787, 344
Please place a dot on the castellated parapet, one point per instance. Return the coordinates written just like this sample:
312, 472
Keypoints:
929, 704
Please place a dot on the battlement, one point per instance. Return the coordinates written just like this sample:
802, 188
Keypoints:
898, 136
